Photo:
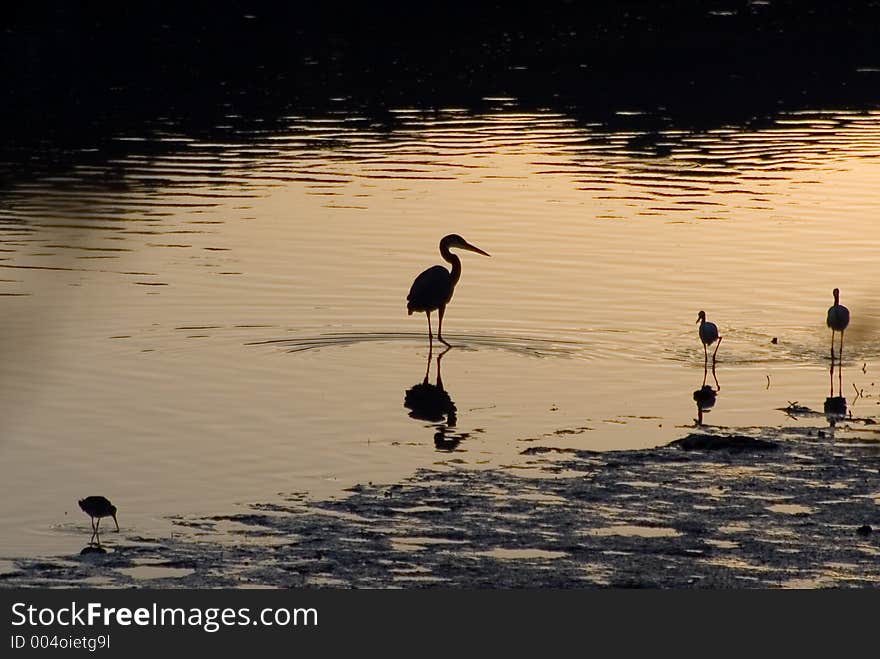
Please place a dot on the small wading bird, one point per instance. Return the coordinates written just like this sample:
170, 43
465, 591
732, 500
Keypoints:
97, 507
838, 319
708, 335
434, 287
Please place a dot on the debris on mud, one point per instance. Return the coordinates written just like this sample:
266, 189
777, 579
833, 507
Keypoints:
736, 443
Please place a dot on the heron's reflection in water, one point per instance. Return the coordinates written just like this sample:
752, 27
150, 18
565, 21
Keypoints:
94, 546
835, 406
432, 403
705, 397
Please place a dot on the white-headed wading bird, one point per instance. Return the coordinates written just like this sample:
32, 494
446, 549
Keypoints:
434, 287
838, 319
708, 335
97, 507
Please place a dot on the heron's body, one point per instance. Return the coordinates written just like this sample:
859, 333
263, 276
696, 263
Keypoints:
97, 507
837, 320
432, 289
708, 335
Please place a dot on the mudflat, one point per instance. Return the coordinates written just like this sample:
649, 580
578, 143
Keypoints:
706, 511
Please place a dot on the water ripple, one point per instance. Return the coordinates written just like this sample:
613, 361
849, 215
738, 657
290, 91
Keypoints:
532, 346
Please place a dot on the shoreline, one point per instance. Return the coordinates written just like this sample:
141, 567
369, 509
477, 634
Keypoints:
706, 511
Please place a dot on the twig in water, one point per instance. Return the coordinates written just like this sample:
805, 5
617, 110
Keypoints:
768, 381
858, 393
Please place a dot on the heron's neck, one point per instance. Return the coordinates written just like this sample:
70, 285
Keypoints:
454, 260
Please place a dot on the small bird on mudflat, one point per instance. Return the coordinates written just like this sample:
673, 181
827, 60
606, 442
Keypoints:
97, 507
838, 321
708, 335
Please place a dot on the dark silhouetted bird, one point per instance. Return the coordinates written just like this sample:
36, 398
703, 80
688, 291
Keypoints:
708, 335
97, 507
838, 320
434, 287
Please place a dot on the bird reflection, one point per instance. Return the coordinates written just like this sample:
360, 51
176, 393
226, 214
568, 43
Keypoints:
706, 396
432, 403
835, 406
444, 441
94, 547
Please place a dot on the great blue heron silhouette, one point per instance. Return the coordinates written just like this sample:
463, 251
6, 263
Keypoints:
433, 288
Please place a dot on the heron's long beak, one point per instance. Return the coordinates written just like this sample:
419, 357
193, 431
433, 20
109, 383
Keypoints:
471, 248
698, 319
115, 522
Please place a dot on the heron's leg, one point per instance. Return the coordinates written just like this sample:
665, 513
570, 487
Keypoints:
430, 337
705, 355
716, 351
832, 345
441, 310
97, 525
840, 354
705, 374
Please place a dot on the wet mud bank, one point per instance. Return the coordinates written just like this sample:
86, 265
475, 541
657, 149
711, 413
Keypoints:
704, 512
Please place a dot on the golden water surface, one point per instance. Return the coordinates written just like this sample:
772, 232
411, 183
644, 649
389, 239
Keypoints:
194, 325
